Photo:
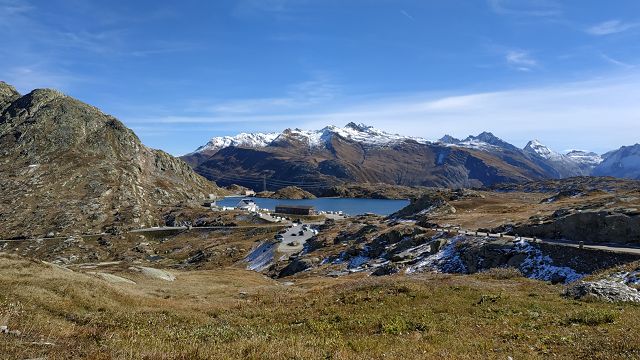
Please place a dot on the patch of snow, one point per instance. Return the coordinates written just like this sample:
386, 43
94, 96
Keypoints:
539, 266
476, 145
583, 157
357, 261
262, 256
446, 260
628, 278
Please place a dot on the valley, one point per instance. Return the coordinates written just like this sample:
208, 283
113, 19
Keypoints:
455, 248
319, 180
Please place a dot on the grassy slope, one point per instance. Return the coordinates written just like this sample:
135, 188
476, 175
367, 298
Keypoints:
231, 313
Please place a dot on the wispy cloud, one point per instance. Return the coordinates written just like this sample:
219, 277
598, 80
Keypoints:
318, 90
611, 27
540, 8
616, 62
29, 77
566, 115
407, 15
13, 7
520, 60
279, 9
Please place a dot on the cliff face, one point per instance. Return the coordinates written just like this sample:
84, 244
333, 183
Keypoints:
69, 168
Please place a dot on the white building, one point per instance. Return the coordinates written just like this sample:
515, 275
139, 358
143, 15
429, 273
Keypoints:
247, 205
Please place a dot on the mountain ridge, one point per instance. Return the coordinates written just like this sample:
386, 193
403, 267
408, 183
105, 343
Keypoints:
324, 151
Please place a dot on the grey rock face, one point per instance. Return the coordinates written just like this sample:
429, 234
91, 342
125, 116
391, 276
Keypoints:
604, 290
296, 266
8, 94
618, 226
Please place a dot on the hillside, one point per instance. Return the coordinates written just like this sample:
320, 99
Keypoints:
69, 168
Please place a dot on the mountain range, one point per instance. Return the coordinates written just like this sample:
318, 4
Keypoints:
316, 159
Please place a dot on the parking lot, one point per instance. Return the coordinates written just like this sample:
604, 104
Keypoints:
292, 240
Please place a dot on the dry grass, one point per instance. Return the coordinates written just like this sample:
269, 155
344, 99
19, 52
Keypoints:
231, 313
502, 273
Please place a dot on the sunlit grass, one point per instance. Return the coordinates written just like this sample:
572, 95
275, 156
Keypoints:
71, 315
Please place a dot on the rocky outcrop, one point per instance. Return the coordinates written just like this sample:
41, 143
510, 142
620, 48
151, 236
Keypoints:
373, 191
603, 290
616, 225
295, 266
425, 207
292, 192
69, 168
8, 94
237, 189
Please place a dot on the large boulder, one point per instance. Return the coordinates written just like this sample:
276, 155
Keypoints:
295, 266
603, 290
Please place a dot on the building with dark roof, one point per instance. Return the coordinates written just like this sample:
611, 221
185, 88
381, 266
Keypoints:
295, 209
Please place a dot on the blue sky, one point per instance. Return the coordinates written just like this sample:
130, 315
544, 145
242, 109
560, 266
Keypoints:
178, 73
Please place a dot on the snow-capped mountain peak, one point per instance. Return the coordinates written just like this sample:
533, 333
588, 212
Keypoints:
251, 140
484, 141
448, 139
623, 163
535, 147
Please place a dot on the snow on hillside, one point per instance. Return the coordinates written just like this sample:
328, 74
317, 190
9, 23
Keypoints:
623, 163
484, 141
252, 140
583, 157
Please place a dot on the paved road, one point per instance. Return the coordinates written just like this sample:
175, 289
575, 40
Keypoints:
170, 228
576, 244
51, 238
154, 229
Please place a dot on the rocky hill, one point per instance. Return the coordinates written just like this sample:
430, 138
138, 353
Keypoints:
292, 192
69, 168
